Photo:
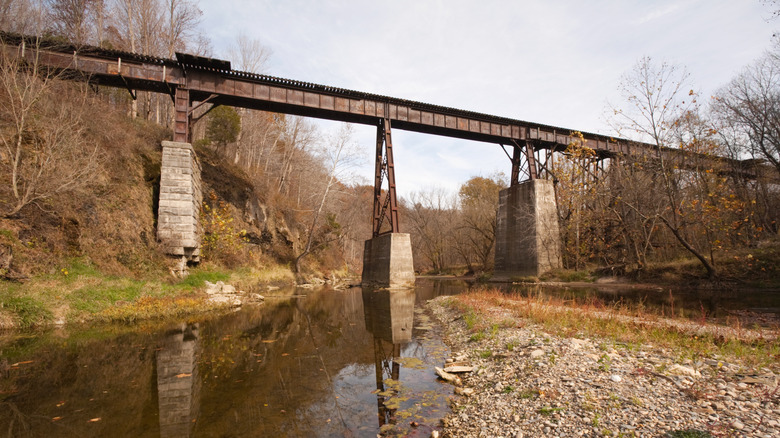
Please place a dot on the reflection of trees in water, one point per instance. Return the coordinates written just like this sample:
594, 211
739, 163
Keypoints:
178, 383
286, 355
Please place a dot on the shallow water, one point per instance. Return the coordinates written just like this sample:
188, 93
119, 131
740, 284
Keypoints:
313, 363
305, 363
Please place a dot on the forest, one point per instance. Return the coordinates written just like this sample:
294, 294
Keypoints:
280, 191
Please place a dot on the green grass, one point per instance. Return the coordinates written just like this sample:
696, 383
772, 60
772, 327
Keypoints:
28, 310
198, 277
547, 410
94, 299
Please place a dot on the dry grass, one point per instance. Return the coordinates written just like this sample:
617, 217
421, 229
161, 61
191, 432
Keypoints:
620, 324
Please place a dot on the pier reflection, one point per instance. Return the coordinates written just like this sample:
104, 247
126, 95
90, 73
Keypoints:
178, 387
389, 316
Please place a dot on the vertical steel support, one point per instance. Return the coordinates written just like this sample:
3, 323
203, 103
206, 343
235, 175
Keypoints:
181, 128
516, 162
533, 172
387, 208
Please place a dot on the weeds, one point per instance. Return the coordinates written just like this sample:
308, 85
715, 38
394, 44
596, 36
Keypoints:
605, 362
546, 410
617, 324
529, 393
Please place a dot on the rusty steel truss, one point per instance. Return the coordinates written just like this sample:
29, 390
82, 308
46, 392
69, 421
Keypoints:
385, 206
193, 81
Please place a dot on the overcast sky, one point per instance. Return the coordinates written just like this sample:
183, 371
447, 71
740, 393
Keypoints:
545, 61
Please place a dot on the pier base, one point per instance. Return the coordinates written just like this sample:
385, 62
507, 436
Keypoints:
527, 235
387, 261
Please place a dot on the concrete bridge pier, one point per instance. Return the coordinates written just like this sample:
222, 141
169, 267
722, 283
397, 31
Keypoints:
178, 218
527, 235
387, 261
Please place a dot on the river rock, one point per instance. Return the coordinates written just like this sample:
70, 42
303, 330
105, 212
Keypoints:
452, 378
680, 370
458, 369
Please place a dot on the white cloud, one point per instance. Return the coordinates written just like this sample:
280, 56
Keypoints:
549, 62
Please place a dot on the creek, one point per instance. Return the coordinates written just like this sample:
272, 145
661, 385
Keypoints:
307, 362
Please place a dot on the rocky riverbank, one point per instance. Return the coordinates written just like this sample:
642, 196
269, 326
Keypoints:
529, 383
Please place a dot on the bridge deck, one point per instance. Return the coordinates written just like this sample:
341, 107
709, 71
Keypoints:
213, 79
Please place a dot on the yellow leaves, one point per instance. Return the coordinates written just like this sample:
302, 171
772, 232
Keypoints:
183, 375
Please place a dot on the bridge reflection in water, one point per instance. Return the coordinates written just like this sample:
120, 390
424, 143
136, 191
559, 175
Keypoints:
178, 383
389, 315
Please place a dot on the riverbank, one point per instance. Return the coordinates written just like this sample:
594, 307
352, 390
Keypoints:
543, 368
80, 293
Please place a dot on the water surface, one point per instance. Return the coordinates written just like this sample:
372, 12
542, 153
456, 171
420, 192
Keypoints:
314, 363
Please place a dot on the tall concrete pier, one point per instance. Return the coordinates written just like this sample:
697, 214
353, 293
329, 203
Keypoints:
387, 261
178, 219
527, 234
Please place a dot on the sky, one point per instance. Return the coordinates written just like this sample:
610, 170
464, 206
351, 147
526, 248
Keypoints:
556, 62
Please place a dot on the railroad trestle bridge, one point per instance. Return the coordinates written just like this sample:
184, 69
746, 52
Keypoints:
527, 241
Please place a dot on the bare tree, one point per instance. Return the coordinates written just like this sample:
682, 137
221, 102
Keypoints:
72, 19
658, 97
249, 54
183, 18
44, 152
750, 106
23, 16
431, 215
478, 206
341, 154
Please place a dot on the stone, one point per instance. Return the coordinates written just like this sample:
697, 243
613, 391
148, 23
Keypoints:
681, 370
536, 354
615, 378
178, 223
212, 288
452, 378
458, 369
464, 391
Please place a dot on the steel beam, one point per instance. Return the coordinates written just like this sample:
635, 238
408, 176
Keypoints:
385, 207
181, 128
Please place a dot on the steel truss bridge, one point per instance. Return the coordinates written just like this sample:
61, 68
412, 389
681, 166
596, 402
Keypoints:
194, 81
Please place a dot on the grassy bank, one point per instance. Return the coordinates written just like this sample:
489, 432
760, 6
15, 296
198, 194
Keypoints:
754, 268
485, 311
79, 292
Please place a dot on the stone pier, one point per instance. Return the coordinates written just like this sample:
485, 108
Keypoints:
527, 234
178, 219
387, 261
